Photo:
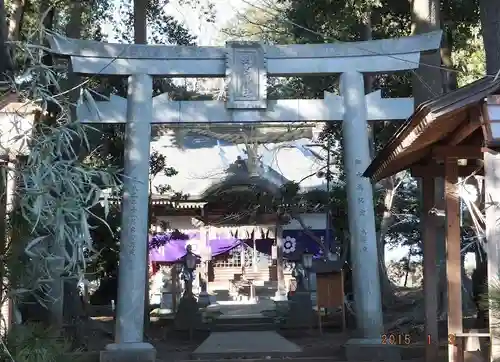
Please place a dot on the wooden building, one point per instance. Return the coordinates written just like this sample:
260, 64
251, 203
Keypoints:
451, 138
236, 201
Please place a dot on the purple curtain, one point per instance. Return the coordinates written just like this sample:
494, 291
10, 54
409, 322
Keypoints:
167, 250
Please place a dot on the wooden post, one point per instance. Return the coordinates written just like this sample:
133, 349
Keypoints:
453, 260
492, 206
430, 270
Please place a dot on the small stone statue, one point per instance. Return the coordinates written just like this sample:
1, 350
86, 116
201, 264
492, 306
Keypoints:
187, 274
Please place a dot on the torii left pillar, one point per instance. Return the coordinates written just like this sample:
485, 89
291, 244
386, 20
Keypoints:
361, 213
134, 228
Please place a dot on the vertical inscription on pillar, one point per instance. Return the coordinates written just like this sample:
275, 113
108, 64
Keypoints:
363, 237
132, 219
247, 75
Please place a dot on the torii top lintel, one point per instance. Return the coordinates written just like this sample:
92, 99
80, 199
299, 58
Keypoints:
92, 57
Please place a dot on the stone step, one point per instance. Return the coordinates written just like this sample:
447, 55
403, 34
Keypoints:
277, 359
243, 320
242, 327
245, 344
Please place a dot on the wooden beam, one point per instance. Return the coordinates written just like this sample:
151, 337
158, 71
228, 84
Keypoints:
457, 152
466, 130
429, 232
453, 259
435, 170
485, 121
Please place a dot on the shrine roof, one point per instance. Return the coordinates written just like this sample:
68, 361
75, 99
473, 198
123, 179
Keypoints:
205, 164
432, 124
243, 181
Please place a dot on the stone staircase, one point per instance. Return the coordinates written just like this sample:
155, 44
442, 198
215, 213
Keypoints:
226, 274
264, 287
241, 316
243, 323
224, 288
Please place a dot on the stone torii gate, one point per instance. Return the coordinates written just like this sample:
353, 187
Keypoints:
246, 65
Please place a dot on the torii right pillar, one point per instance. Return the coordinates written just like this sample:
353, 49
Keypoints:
364, 257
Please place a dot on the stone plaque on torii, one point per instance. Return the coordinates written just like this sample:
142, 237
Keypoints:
246, 66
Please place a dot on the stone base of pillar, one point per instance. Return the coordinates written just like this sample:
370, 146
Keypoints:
128, 352
372, 349
279, 297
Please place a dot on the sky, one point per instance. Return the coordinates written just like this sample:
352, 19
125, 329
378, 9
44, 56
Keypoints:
207, 33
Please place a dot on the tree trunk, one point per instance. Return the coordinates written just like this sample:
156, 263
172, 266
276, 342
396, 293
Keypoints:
16, 19
490, 13
140, 22
3, 169
428, 83
74, 306
449, 78
5, 60
427, 80
390, 187
407, 268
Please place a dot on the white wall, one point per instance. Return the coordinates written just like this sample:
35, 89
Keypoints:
178, 222
315, 221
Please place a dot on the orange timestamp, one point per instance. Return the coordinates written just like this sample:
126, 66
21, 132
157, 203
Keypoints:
395, 338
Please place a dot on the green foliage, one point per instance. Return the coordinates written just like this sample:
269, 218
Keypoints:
469, 57
490, 300
34, 343
56, 191
106, 237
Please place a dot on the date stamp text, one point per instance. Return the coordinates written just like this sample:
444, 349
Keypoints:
395, 338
